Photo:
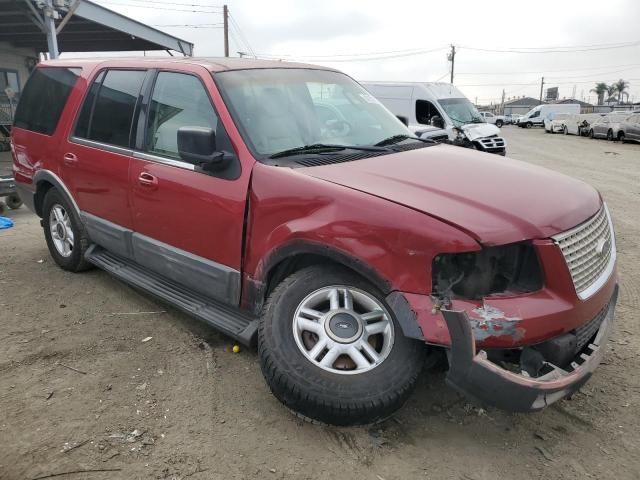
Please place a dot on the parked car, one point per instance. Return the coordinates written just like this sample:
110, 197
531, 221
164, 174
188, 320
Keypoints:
608, 126
284, 205
555, 122
497, 120
629, 129
439, 105
537, 115
512, 118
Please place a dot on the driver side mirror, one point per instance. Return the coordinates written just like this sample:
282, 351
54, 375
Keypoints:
197, 145
437, 121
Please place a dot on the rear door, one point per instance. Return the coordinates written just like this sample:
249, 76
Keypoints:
634, 127
97, 157
600, 128
188, 224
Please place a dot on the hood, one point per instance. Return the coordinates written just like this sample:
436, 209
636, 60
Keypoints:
479, 130
494, 199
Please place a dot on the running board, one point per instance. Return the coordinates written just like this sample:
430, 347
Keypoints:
229, 320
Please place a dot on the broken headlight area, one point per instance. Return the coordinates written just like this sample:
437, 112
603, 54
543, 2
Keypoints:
507, 269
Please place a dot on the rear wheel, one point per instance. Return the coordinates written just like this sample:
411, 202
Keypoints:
64, 233
331, 350
621, 137
499, 123
610, 135
529, 125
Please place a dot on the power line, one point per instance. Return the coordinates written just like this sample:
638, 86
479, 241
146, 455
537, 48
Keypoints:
533, 83
241, 35
203, 25
550, 71
176, 3
160, 8
359, 59
569, 49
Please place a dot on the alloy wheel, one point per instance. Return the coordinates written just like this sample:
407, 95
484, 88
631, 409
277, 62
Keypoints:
61, 230
343, 330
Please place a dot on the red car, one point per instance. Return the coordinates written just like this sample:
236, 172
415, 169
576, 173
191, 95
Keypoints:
284, 205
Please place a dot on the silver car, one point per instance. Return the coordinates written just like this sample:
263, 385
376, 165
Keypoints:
629, 129
608, 126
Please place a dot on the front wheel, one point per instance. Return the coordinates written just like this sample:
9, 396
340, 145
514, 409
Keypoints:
499, 123
331, 350
14, 201
529, 125
621, 137
610, 135
591, 135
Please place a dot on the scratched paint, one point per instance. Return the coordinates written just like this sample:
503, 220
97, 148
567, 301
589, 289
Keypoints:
488, 321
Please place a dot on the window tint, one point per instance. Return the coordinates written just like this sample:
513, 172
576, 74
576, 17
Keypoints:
113, 110
424, 111
82, 125
44, 98
178, 100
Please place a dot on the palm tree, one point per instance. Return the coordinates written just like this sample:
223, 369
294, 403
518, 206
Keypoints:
621, 88
600, 89
611, 90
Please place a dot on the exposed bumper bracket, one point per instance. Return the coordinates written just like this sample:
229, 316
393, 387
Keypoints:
473, 374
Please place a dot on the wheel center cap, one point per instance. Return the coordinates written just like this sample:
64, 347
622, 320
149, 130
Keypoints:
60, 230
343, 327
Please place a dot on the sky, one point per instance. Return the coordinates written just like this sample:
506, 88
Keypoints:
567, 42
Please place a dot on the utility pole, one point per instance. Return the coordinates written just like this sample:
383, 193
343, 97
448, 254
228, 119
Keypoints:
50, 14
225, 15
541, 87
502, 103
452, 58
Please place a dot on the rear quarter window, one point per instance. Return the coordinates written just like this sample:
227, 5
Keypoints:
44, 98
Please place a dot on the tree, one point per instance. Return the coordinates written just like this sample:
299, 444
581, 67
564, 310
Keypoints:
611, 90
600, 89
621, 88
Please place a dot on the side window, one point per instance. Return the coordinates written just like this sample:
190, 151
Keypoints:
44, 98
107, 111
178, 100
424, 111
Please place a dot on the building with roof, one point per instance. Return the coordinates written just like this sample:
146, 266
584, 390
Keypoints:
35, 29
521, 105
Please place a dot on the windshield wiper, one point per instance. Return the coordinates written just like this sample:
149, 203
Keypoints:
399, 138
322, 147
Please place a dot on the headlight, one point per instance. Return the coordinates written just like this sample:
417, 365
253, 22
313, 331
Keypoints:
495, 270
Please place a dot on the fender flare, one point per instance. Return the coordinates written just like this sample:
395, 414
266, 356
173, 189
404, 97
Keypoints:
50, 177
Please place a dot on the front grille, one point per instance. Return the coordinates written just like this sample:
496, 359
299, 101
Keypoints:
492, 143
588, 249
589, 329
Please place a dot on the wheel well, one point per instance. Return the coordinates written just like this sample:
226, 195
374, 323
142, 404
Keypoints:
294, 263
41, 190
620, 134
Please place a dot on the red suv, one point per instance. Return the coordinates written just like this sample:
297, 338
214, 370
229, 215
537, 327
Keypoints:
284, 205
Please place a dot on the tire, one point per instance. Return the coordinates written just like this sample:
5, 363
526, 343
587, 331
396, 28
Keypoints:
329, 395
13, 202
610, 135
74, 261
529, 125
499, 123
621, 138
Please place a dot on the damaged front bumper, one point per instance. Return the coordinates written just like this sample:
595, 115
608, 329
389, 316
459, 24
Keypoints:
473, 374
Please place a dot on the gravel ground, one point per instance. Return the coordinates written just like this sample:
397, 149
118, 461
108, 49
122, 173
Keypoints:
81, 390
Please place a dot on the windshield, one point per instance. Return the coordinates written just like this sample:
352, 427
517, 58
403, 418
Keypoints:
284, 108
461, 111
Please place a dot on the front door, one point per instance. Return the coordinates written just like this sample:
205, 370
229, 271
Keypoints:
188, 224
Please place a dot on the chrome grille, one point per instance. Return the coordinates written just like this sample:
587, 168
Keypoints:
589, 250
490, 143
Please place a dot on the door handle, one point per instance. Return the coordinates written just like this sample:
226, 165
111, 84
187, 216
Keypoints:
69, 159
147, 180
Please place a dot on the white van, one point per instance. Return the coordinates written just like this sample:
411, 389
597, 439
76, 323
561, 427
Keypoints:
537, 115
439, 109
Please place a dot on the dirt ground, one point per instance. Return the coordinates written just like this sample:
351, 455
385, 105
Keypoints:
81, 390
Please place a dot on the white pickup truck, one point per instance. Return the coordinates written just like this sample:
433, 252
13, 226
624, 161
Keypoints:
497, 120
